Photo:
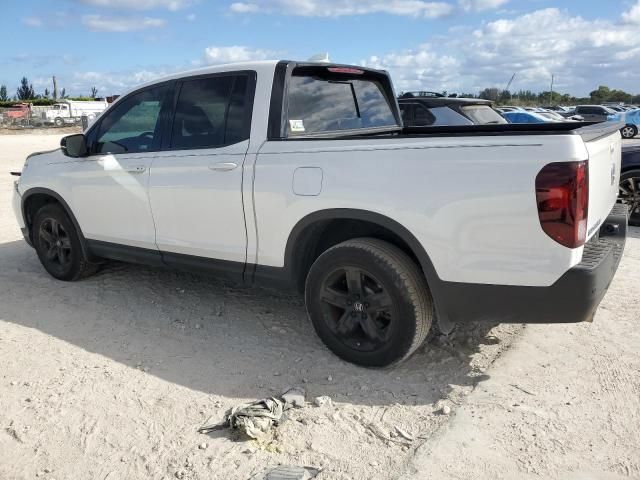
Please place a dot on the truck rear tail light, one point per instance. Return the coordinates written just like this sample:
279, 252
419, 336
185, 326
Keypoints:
562, 193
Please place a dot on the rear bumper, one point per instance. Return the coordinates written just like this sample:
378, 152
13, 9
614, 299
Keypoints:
573, 298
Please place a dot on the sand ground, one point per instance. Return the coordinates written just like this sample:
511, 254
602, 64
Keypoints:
109, 378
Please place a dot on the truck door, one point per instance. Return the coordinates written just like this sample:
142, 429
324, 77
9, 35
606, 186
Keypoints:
195, 185
109, 187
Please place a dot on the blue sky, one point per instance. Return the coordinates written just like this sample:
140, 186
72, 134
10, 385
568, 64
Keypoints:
453, 45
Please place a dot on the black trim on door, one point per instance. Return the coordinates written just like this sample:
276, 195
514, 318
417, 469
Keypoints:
275, 127
125, 253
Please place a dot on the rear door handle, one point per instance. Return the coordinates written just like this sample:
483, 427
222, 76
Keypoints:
137, 169
223, 166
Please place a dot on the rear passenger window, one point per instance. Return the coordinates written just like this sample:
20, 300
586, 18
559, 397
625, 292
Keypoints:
321, 101
211, 112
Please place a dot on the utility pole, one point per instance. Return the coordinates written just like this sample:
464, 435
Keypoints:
55, 88
509, 86
551, 94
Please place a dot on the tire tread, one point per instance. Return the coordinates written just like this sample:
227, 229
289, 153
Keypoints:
413, 283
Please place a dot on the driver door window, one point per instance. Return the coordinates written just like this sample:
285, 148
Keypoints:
133, 125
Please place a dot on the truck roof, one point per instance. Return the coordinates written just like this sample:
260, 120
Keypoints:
264, 67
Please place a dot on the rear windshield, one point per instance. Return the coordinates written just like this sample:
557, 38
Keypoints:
483, 115
320, 101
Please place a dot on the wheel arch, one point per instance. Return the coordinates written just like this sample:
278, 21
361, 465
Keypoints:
313, 234
630, 166
35, 198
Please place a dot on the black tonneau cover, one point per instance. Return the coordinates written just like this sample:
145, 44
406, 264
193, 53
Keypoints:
587, 130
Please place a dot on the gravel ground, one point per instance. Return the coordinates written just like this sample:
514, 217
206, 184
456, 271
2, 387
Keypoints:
110, 377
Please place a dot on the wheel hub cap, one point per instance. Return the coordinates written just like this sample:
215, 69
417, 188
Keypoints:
357, 308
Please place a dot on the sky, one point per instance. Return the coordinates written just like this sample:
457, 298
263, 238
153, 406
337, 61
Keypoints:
437, 45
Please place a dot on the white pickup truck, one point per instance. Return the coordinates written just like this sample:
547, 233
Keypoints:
301, 175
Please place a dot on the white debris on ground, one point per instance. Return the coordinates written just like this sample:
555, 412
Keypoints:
111, 377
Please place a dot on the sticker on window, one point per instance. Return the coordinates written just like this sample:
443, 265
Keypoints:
296, 125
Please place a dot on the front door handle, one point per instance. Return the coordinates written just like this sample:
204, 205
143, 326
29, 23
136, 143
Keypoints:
137, 169
223, 166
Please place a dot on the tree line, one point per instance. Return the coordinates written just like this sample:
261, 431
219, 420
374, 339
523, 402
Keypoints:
602, 94
26, 93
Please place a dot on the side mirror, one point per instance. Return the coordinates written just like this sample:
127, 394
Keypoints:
74, 146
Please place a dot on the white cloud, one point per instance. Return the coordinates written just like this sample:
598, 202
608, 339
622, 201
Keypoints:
120, 24
580, 53
236, 53
139, 4
480, 5
240, 7
33, 21
633, 15
337, 8
418, 69
109, 83
118, 82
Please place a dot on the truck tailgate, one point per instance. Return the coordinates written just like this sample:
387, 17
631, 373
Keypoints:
605, 151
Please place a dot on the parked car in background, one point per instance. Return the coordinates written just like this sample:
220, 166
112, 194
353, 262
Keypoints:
421, 111
559, 109
527, 117
301, 175
630, 182
595, 113
556, 116
601, 113
508, 108
70, 111
631, 119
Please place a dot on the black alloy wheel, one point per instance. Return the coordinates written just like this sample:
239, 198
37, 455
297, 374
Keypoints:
55, 239
357, 308
59, 245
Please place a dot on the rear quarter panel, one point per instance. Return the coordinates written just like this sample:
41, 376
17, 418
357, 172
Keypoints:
470, 201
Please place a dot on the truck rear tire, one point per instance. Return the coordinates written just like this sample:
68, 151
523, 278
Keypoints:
59, 246
369, 302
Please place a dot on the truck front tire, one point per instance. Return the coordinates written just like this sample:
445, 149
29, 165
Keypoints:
369, 302
58, 122
59, 246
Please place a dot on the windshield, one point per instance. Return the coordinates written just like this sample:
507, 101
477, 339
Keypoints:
322, 101
483, 115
